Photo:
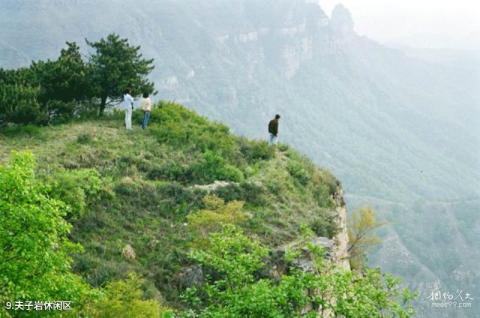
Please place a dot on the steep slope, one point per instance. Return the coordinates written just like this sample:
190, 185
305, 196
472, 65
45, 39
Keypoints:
402, 133
131, 192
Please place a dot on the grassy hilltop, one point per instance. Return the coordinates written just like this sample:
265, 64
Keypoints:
137, 188
182, 220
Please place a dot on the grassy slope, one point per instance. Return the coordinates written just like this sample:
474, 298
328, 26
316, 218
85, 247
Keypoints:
147, 188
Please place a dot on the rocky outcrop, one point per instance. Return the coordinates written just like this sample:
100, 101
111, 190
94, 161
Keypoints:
340, 246
335, 249
341, 21
212, 186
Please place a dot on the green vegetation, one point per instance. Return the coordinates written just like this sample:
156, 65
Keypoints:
400, 133
115, 66
35, 260
124, 299
238, 291
361, 236
192, 209
58, 91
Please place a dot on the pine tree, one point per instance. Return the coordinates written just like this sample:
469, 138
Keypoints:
117, 65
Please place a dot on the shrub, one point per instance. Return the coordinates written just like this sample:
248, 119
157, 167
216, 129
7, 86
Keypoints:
213, 167
324, 225
297, 171
124, 299
128, 187
215, 215
182, 127
254, 151
19, 104
77, 188
236, 291
60, 111
26, 130
249, 192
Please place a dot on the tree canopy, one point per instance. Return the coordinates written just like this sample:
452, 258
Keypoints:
117, 65
34, 243
72, 86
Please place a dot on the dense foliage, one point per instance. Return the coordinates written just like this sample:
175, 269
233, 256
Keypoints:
35, 251
124, 299
116, 65
58, 90
236, 290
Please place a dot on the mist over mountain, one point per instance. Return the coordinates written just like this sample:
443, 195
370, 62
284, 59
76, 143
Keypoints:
400, 130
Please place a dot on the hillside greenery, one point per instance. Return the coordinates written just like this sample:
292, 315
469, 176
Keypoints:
145, 208
398, 131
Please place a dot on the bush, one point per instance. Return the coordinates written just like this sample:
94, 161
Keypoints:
128, 187
60, 111
77, 188
19, 104
124, 299
236, 290
324, 226
251, 193
297, 171
182, 127
212, 167
20, 131
254, 151
215, 215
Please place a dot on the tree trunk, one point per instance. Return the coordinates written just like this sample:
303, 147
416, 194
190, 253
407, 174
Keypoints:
103, 103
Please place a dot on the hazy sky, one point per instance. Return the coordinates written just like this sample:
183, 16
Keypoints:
420, 23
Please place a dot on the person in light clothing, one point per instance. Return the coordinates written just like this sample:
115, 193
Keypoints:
146, 106
128, 107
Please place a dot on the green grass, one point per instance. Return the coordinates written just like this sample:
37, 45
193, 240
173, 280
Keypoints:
138, 188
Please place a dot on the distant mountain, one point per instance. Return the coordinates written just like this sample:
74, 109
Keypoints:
400, 131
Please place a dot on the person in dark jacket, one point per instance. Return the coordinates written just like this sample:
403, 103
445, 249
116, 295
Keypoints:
273, 130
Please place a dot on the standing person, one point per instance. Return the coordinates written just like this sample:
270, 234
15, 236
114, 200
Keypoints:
128, 106
147, 109
273, 130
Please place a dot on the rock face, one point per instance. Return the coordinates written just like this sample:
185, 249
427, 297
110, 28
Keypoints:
213, 186
341, 21
340, 246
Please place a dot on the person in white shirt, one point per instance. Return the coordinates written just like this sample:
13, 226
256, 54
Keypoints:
128, 106
146, 106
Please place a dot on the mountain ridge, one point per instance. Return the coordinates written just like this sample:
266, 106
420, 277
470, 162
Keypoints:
148, 183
